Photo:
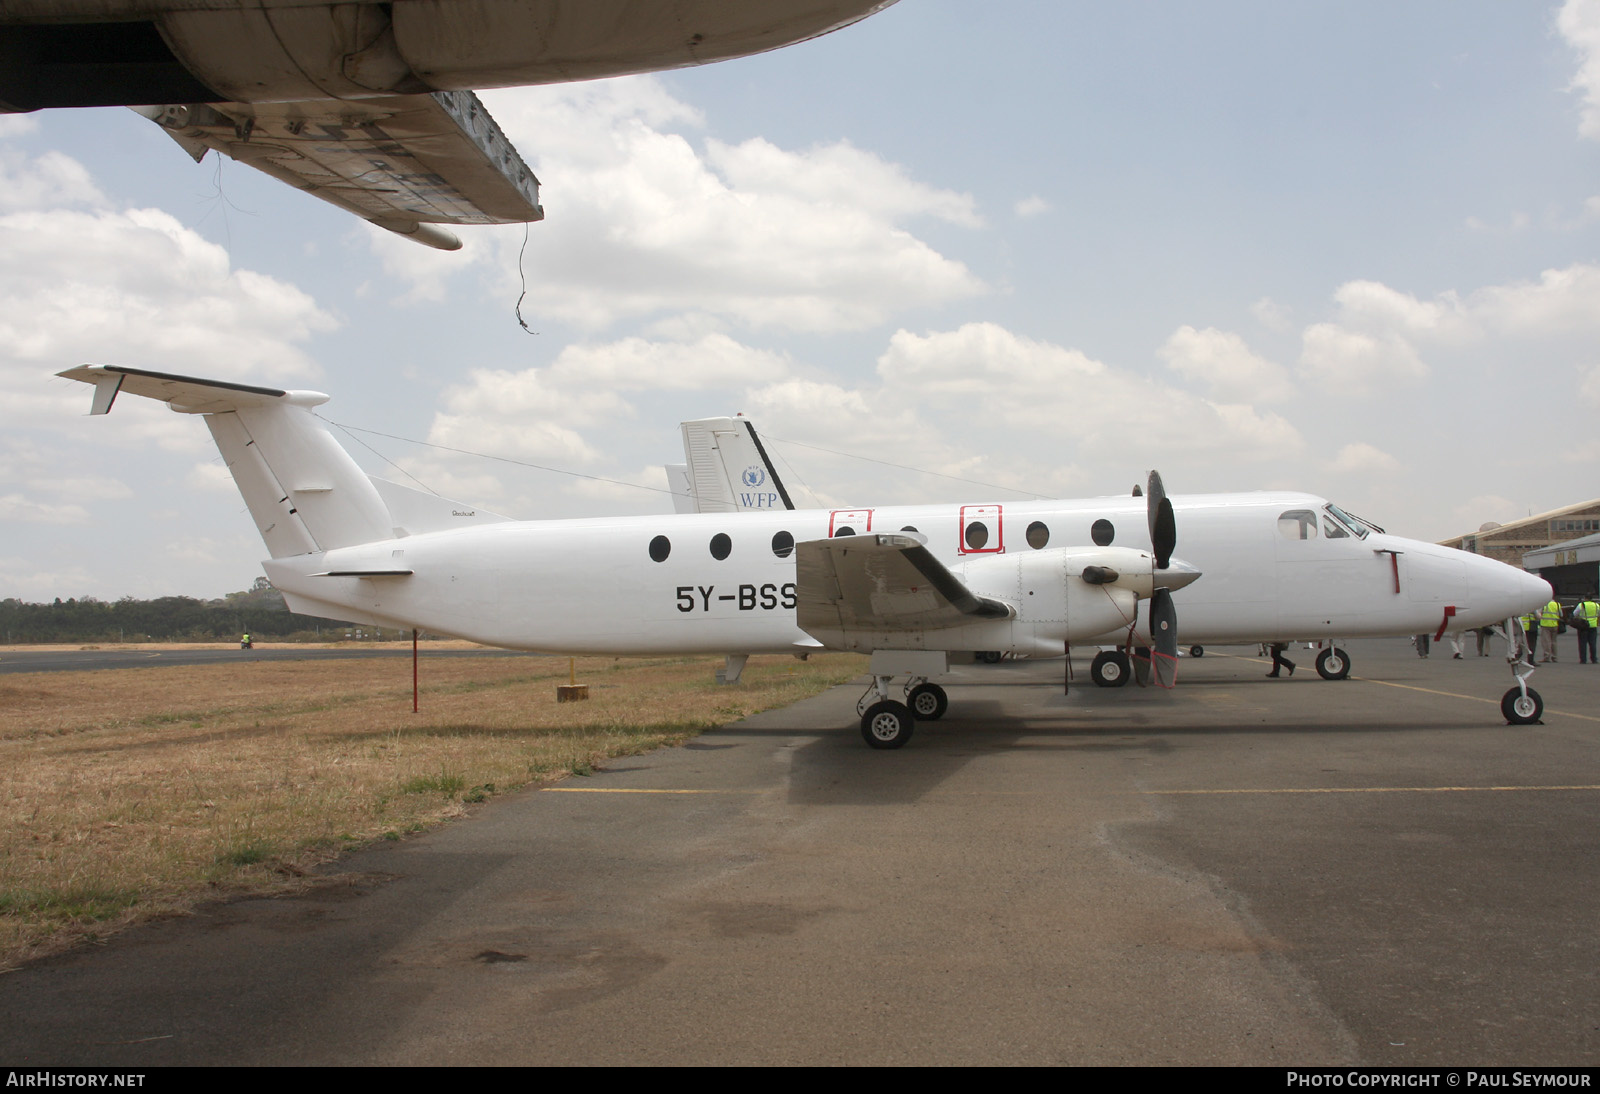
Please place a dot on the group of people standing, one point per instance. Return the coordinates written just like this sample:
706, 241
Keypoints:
1543, 625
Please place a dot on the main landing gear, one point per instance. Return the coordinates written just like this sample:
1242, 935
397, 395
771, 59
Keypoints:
1333, 664
889, 723
1110, 668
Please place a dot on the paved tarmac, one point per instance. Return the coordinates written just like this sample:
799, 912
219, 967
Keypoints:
1243, 871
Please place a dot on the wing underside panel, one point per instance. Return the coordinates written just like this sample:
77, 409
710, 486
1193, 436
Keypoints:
399, 161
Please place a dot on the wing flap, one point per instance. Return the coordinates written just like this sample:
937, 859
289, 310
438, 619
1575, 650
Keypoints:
852, 587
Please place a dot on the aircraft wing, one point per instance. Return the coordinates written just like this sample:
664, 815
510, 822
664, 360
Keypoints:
403, 162
853, 590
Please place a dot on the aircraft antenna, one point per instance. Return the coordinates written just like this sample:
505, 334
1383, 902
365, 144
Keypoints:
523, 278
502, 459
907, 467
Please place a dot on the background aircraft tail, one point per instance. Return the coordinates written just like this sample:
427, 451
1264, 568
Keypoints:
303, 489
728, 469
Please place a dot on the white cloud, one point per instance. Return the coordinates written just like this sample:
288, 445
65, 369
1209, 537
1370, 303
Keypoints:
1354, 364
1031, 206
1589, 385
211, 477
49, 180
837, 175
542, 414
28, 511
1272, 315
639, 223
1561, 302
1222, 361
1579, 23
1363, 458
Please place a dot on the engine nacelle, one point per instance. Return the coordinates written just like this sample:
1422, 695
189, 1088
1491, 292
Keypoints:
137, 52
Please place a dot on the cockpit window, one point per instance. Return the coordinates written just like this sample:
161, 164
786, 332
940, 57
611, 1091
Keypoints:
1297, 524
1355, 524
1332, 528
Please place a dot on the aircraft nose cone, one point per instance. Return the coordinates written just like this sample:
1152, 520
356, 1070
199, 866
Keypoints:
1177, 575
1505, 590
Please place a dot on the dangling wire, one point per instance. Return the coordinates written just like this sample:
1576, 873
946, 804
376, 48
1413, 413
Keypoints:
523, 278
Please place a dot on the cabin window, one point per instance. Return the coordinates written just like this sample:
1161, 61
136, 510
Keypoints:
982, 529
1038, 535
845, 530
721, 546
1102, 532
1297, 524
783, 544
660, 548
910, 528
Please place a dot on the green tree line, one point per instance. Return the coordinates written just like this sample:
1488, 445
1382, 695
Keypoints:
258, 611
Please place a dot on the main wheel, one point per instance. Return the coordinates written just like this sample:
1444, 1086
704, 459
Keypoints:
1109, 669
1520, 709
928, 702
989, 657
887, 724
1333, 664
1197, 651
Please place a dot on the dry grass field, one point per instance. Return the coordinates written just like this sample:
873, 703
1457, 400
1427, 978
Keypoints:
132, 793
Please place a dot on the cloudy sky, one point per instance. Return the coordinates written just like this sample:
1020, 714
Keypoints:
1349, 248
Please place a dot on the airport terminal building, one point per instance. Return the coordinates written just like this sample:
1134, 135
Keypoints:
1561, 546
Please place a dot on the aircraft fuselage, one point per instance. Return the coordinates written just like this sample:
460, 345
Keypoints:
722, 583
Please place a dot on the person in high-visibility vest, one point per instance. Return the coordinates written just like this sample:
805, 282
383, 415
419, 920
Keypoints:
1530, 630
1586, 621
1549, 624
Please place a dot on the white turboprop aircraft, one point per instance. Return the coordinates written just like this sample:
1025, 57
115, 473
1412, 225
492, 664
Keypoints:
368, 104
911, 585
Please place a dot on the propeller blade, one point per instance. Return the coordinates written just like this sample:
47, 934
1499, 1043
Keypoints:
1164, 638
1163, 529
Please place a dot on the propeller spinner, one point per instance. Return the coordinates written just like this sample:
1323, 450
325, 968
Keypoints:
1163, 530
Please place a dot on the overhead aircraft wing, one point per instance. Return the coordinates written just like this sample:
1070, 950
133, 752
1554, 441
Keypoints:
854, 591
402, 162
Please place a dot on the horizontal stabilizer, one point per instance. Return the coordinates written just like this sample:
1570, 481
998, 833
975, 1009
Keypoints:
185, 394
365, 573
304, 491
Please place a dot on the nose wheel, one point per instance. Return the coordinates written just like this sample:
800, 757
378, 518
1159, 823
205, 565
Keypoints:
1522, 707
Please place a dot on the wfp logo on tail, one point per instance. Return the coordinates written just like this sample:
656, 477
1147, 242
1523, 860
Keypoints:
755, 476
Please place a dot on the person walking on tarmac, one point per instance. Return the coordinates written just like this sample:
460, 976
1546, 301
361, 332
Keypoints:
1586, 621
1279, 661
1530, 631
1549, 624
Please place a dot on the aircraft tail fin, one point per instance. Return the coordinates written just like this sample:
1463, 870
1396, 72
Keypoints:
303, 489
729, 469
